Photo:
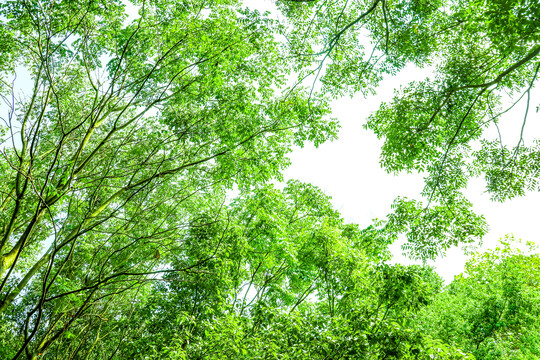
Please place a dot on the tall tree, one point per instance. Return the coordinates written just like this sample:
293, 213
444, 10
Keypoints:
130, 126
287, 279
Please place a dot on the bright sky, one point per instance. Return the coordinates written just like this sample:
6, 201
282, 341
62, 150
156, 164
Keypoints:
348, 170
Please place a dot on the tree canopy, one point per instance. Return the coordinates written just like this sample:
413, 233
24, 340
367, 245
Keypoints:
142, 146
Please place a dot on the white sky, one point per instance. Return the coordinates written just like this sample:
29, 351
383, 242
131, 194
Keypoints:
348, 170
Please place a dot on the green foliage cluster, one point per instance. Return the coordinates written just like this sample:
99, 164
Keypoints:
492, 309
137, 121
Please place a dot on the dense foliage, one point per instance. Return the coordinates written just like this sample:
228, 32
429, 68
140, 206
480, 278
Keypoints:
140, 141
